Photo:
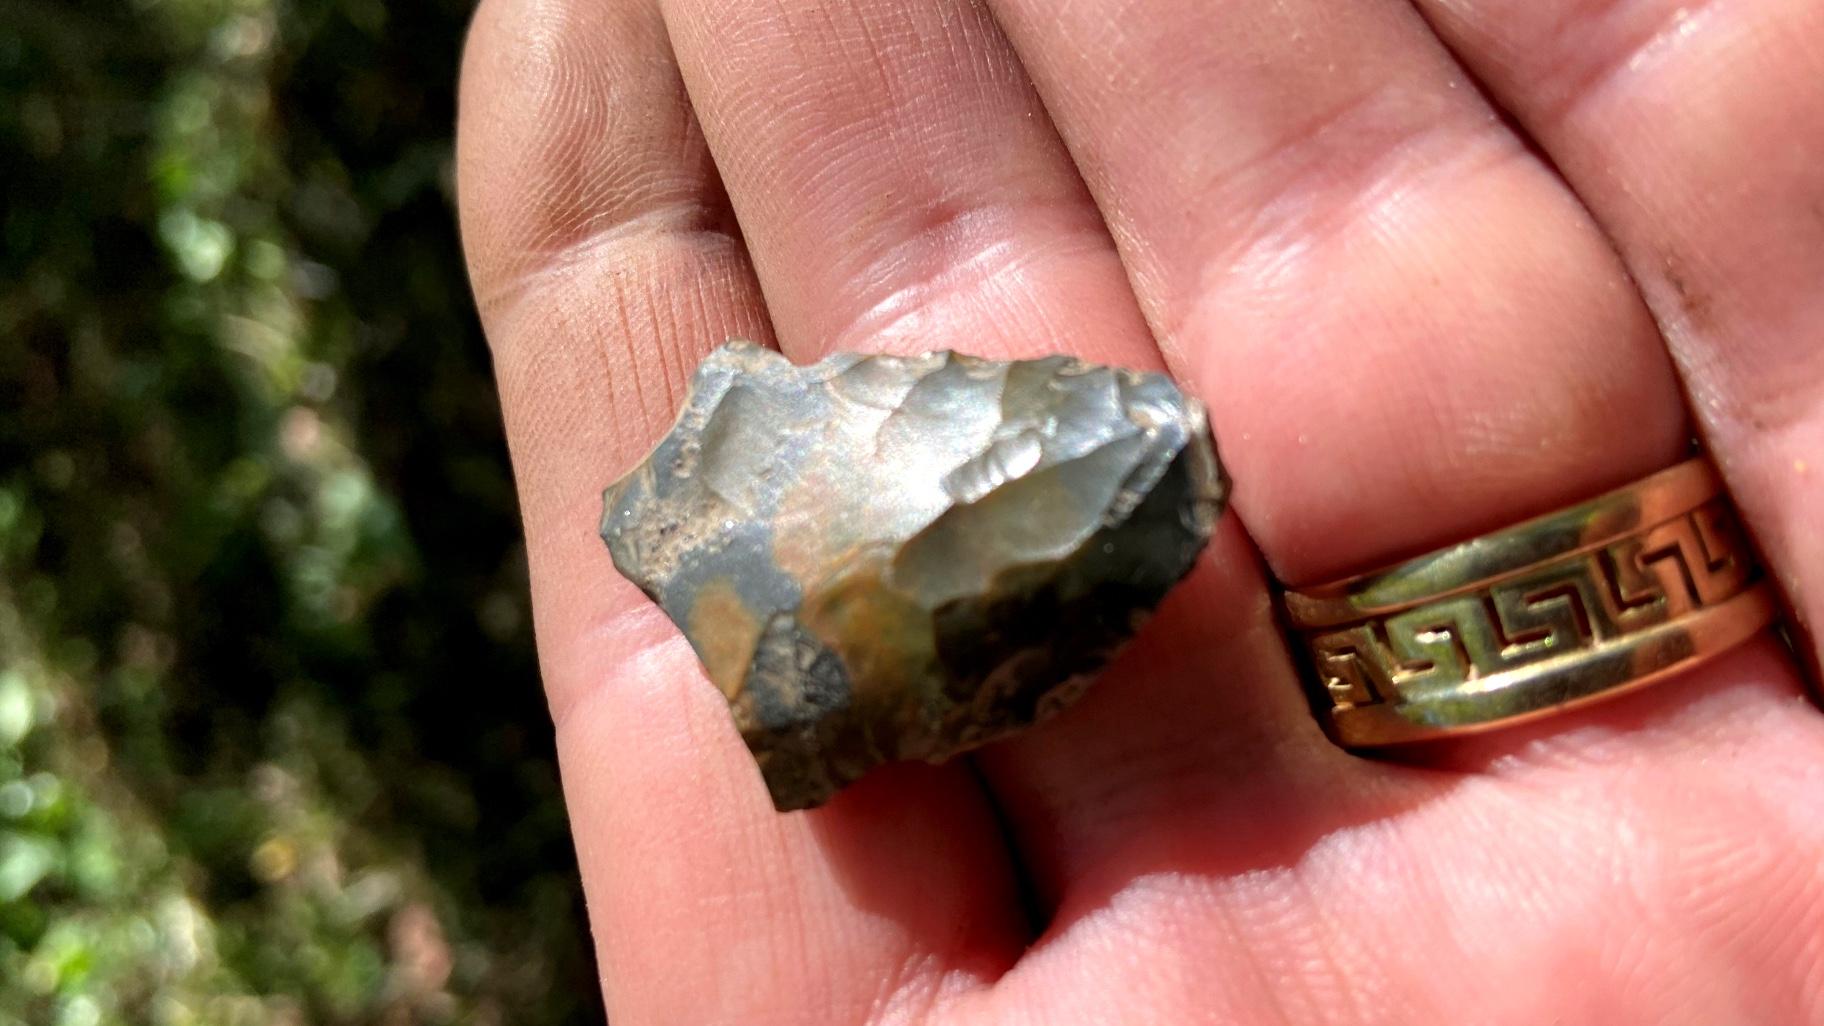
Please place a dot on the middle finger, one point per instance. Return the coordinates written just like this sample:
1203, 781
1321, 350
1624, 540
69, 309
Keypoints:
901, 187
898, 183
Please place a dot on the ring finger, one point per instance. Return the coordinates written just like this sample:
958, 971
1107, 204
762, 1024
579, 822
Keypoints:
1394, 308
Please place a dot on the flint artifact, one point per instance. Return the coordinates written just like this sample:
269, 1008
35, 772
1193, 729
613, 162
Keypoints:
881, 558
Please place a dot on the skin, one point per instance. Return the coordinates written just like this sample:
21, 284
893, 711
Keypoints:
1435, 267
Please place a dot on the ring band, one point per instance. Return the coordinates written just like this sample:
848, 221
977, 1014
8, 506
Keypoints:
1567, 608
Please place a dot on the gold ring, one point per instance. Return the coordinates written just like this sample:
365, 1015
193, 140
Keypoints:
1567, 608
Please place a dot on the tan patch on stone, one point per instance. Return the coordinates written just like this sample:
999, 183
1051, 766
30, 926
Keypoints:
726, 632
886, 643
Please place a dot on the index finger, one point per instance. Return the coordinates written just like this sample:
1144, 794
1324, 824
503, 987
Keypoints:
606, 264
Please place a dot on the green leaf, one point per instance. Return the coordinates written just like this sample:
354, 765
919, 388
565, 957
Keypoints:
24, 862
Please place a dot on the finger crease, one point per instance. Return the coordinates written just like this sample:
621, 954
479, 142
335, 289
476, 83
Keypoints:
694, 222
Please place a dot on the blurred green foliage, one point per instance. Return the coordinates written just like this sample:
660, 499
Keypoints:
271, 743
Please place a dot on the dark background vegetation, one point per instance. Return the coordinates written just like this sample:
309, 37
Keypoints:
271, 743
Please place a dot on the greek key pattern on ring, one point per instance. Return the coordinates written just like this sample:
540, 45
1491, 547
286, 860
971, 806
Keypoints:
1574, 603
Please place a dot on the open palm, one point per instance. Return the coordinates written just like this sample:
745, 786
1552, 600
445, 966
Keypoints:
1435, 268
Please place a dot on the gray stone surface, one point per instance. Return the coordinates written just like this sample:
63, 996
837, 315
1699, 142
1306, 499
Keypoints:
884, 558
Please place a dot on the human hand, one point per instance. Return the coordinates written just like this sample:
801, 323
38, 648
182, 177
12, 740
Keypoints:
1413, 319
